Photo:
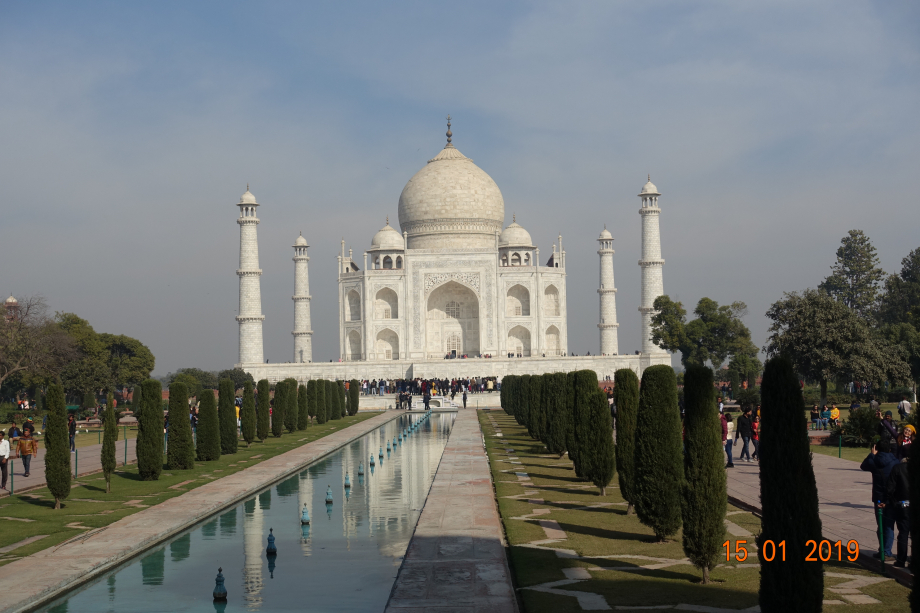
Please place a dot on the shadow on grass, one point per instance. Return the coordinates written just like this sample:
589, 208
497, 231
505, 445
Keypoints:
41, 502
552, 477
603, 533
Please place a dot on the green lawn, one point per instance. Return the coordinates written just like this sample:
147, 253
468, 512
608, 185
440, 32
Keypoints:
855, 454
606, 541
32, 513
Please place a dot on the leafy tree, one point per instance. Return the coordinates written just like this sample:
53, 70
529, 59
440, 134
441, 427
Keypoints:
129, 360
208, 442
263, 418
248, 414
558, 418
900, 311
57, 446
716, 334
89, 400
33, 344
191, 383
180, 448
278, 408
89, 372
290, 409
703, 490
824, 339
320, 400
110, 435
354, 396
303, 414
238, 376
149, 412
856, 277
788, 496
658, 453
206, 378
227, 416
626, 396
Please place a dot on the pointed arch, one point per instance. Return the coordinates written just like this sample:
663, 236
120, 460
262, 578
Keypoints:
552, 341
519, 341
517, 301
354, 306
551, 301
386, 305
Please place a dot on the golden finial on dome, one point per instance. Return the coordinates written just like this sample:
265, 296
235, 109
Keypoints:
513, 217
247, 186
649, 177
449, 134
388, 220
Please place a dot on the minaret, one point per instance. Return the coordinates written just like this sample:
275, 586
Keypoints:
303, 335
250, 313
651, 262
608, 293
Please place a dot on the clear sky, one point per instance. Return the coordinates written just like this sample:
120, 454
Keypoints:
129, 130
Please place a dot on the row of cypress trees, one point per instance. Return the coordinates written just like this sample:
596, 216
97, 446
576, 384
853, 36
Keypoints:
568, 412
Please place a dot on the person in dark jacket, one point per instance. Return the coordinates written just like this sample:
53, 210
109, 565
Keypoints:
72, 430
898, 486
879, 463
745, 429
886, 429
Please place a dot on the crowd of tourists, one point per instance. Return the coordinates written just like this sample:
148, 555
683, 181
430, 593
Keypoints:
432, 387
26, 448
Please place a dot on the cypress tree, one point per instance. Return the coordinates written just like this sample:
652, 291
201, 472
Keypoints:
535, 427
278, 407
354, 396
558, 417
509, 391
208, 442
109, 436
343, 410
569, 399
599, 442
332, 409
303, 415
57, 446
626, 395
585, 388
248, 414
180, 450
148, 400
263, 417
503, 397
658, 453
788, 496
311, 399
320, 399
290, 407
703, 491
227, 411
523, 395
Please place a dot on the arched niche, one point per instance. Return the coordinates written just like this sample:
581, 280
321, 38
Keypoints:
452, 309
386, 304
519, 341
387, 345
552, 341
354, 306
551, 301
517, 302
353, 346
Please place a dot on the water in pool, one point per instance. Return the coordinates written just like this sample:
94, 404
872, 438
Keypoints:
345, 560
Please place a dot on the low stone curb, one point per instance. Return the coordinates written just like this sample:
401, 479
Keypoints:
93, 553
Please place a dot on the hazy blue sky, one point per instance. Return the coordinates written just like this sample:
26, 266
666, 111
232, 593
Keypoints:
129, 131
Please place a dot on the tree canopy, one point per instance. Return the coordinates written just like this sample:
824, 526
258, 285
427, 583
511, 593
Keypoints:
825, 339
856, 276
716, 334
238, 376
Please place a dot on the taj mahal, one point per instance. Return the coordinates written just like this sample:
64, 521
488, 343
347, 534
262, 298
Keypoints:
452, 293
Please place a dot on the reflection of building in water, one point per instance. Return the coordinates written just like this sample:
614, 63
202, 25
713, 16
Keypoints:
305, 493
399, 484
253, 527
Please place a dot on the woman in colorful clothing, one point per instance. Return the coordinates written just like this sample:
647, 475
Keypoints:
755, 437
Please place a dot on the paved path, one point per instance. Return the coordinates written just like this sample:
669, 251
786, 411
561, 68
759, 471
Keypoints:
88, 460
456, 559
90, 553
844, 497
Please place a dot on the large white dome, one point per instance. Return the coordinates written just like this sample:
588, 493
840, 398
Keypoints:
451, 203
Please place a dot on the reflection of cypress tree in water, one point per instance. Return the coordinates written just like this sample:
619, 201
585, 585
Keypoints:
253, 525
265, 500
228, 523
111, 582
179, 549
288, 487
152, 566
60, 608
209, 530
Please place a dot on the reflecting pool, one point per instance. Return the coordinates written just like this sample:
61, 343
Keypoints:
346, 559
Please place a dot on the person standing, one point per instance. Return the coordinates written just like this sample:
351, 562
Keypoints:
4, 460
880, 462
755, 436
727, 429
745, 430
464, 400
886, 430
898, 490
721, 405
72, 431
904, 408
26, 450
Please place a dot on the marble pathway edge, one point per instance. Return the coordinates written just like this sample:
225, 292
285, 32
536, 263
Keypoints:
456, 559
81, 559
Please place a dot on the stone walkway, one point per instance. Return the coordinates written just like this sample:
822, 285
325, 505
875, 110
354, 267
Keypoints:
96, 551
844, 497
456, 559
89, 460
